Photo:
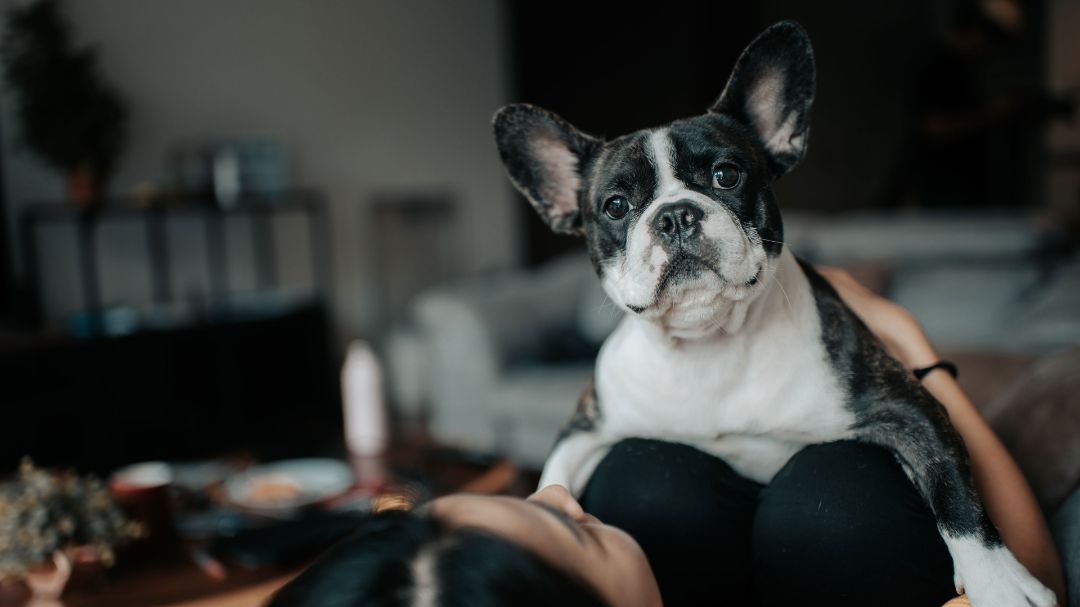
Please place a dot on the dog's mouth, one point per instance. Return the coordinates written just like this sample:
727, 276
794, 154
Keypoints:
684, 268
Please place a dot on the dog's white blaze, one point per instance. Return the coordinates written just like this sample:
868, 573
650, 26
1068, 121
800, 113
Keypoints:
725, 392
660, 145
992, 577
633, 278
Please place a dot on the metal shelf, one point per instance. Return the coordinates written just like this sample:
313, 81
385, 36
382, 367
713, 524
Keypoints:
257, 209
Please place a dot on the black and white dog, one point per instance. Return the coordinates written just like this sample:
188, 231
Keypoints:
730, 343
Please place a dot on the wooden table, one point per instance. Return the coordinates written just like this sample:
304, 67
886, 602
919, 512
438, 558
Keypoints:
181, 585
179, 582
250, 596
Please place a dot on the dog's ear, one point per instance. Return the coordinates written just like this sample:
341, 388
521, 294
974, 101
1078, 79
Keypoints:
544, 155
771, 90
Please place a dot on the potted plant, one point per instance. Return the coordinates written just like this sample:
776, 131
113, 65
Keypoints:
52, 522
68, 116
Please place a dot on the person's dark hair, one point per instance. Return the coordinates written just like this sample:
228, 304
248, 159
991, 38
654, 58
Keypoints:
398, 559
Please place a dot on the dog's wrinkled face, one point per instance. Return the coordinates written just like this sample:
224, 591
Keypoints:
681, 223
680, 220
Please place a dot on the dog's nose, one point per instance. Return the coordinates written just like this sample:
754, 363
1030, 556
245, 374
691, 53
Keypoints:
677, 220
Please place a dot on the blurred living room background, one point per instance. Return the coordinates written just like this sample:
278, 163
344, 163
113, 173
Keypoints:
208, 206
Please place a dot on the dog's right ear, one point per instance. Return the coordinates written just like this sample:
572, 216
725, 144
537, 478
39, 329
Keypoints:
544, 155
771, 90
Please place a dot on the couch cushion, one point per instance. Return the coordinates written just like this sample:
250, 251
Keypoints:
1052, 315
1038, 419
985, 376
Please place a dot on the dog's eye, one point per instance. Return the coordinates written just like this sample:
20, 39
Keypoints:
725, 176
616, 207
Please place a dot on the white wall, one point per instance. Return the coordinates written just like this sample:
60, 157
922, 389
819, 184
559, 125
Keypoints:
369, 96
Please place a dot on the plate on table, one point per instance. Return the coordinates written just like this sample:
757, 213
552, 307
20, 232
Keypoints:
283, 487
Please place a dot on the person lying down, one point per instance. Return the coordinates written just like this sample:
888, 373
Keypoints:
840, 524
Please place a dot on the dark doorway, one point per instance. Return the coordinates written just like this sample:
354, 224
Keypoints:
7, 288
614, 68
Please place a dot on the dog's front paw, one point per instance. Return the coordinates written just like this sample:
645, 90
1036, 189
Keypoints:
992, 577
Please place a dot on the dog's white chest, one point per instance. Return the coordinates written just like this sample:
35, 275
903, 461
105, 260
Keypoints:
753, 398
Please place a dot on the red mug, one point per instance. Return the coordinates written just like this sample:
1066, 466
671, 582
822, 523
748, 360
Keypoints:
144, 491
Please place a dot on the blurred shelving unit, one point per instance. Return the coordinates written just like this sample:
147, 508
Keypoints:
258, 210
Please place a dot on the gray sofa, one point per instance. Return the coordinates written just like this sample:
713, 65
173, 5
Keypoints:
505, 357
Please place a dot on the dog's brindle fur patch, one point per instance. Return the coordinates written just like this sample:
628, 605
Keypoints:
586, 416
894, 411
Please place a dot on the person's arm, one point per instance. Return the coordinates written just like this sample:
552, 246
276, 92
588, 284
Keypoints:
1008, 497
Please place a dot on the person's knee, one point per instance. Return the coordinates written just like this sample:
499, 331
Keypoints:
842, 519
648, 485
631, 463
690, 512
822, 504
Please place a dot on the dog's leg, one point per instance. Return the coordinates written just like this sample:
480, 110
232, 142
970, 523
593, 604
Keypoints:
933, 455
573, 461
579, 448
893, 411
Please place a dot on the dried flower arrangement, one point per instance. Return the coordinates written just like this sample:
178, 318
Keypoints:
43, 513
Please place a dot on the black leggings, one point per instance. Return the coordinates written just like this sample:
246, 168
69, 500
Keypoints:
840, 524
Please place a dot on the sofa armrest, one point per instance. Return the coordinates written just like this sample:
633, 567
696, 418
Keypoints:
473, 333
461, 347
461, 365
516, 311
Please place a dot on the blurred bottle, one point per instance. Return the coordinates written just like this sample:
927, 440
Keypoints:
225, 175
367, 433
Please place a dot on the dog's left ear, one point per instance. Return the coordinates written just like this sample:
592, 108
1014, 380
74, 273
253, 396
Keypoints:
771, 90
544, 156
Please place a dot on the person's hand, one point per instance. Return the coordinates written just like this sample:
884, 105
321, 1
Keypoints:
897, 329
559, 498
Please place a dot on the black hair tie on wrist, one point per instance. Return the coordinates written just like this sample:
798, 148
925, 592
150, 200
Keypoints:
941, 364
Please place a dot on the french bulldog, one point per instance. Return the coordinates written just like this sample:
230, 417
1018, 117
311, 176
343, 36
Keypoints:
730, 343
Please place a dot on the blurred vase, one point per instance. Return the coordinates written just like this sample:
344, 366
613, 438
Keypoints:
366, 430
